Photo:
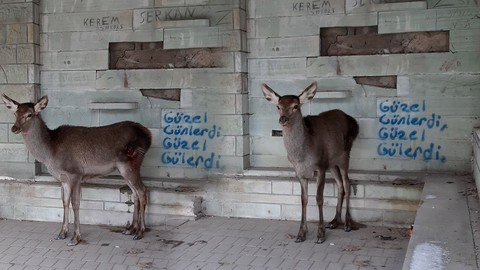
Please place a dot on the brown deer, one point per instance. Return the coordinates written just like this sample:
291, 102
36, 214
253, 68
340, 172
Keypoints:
315, 144
72, 154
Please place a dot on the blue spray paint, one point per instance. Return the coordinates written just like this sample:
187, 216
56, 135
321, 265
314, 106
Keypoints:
186, 140
404, 128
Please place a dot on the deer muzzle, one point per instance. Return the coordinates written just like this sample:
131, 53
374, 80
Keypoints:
15, 129
283, 120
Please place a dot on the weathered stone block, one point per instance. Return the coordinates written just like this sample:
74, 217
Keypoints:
464, 40
292, 8
218, 15
308, 26
16, 33
33, 33
284, 47
8, 54
100, 194
354, 6
71, 80
13, 13
284, 187
281, 67
4, 129
13, 74
27, 54
242, 145
13, 152
52, 6
34, 73
197, 37
252, 210
148, 22
428, 20
98, 21
80, 60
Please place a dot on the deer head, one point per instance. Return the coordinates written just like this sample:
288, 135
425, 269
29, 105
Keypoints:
289, 105
24, 112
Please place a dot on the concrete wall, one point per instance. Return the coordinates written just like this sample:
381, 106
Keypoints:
284, 43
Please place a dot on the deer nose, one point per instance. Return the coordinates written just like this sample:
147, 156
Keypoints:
15, 129
283, 120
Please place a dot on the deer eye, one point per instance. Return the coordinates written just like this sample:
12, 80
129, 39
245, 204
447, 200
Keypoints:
29, 115
295, 107
278, 108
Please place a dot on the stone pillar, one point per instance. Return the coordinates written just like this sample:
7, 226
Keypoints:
19, 78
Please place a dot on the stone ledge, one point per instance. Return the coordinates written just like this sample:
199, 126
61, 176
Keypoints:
442, 233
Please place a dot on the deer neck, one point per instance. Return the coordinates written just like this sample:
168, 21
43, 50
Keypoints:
38, 139
296, 138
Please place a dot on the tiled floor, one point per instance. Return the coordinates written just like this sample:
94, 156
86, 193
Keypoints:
208, 243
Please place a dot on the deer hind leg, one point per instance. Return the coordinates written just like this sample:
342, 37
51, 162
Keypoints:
132, 176
302, 232
76, 215
346, 187
66, 192
320, 189
341, 192
132, 228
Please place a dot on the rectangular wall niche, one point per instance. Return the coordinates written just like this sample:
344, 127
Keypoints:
343, 41
151, 55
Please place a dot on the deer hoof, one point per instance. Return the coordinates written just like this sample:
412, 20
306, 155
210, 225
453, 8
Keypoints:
72, 243
137, 237
332, 225
320, 240
348, 228
300, 239
61, 236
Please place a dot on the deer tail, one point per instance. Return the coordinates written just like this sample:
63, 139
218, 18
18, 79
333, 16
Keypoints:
352, 132
137, 147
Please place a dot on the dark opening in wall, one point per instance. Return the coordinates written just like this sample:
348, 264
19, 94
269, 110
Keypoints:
380, 81
151, 55
167, 94
338, 41
343, 41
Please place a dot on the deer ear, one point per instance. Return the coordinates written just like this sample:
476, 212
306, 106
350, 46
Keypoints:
10, 103
41, 104
308, 93
269, 94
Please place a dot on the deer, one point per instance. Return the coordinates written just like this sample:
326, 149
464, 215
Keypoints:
315, 144
73, 154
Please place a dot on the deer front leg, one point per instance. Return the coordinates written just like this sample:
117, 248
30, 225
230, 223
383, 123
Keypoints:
76, 216
66, 191
320, 189
338, 213
302, 233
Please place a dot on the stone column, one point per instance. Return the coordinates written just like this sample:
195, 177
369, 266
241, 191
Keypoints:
19, 78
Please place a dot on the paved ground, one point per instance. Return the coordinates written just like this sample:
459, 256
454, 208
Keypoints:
208, 243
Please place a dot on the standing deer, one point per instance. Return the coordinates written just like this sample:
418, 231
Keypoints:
72, 154
315, 144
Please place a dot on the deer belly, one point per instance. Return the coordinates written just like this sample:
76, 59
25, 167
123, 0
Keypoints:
306, 170
99, 169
